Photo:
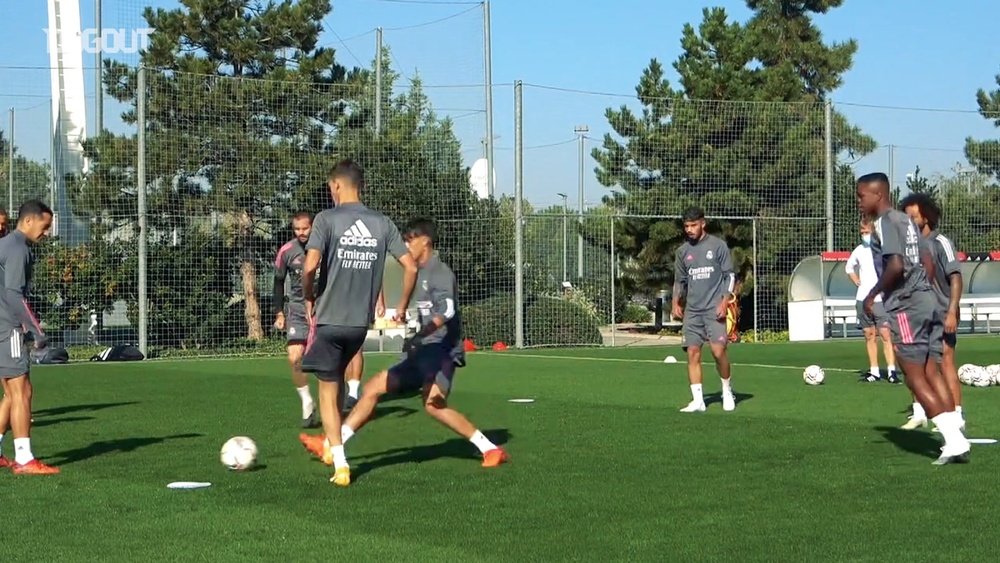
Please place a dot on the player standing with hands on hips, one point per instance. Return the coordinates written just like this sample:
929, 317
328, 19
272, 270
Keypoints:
905, 268
704, 279
351, 242
16, 320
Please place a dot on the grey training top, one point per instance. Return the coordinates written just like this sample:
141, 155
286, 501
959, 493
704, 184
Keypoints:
896, 234
354, 242
703, 273
288, 277
436, 296
16, 262
945, 265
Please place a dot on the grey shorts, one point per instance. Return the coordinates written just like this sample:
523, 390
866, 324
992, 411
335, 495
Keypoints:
296, 325
14, 357
704, 328
940, 339
913, 324
432, 363
864, 321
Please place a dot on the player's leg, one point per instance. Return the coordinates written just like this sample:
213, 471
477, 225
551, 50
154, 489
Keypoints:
694, 337
4, 424
435, 394
364, 408
911, 334
950, 371
867, 325
19, 390
301, 383
882, 322
719, 342
354, 372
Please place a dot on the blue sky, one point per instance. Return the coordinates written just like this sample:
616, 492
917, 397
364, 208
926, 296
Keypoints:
934, 57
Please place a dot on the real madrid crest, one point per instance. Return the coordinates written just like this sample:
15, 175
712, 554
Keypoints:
709, 255
424, 285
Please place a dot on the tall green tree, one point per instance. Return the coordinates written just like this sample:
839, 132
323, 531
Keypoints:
985, 155
741, 136
918, 184
31, 179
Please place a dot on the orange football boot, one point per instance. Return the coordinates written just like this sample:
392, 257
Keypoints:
495, 457
34, 467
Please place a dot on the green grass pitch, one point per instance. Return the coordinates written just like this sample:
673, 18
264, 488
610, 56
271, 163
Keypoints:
603, 466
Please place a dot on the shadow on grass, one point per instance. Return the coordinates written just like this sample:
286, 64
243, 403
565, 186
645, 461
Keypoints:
717, 398
915, 442
53, 421
122, 445
56, 411
457, 448
382, 411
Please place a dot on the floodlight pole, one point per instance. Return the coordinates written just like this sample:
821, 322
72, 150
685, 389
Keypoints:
98, 72
565, 205
488, 55
581, 131
378, 81
518, 219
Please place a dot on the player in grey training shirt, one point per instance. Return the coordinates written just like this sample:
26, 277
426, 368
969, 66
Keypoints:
947, 285
16, 321
429, 362
348, 245
904, 266
290, 308
704, 280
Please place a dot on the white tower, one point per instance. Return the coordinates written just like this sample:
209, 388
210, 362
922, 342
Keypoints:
69, 112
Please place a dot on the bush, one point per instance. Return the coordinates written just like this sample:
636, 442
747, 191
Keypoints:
764, 336
551, 321
633, 313
548, 321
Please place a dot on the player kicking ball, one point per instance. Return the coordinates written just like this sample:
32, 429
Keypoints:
704, 279
947, 284
904, 267
16, 320
429, 362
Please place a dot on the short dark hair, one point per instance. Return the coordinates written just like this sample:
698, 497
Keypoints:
302, 215
929, 208
32, 208
349, 170
3, 211
693, 214
421, 227
874, 177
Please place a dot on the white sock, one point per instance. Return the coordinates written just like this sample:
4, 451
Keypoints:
891, 367
1, 445
918, 411
874, 371
22, 451
482, 442
307, 400
948, 424
339, 458
696, 393
352, 388
727, 386
958, 409
346, 433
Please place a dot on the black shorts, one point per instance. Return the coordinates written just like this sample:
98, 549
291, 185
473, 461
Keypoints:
432, 363
331, 349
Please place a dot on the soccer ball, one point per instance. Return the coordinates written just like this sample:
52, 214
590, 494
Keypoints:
981, 377
994, 371
813, 375
239, 453
967, 373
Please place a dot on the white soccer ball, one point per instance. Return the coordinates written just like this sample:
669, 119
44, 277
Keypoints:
813, 375
966, 373
981, 377
239, 453
994, 372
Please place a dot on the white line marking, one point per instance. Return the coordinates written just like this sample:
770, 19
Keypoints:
645, 361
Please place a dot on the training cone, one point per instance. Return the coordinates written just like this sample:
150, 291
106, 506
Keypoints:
469, 345
499, 347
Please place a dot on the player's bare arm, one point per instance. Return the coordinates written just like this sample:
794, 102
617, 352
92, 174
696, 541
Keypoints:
278, 299
380, 305
409, 265
680, 287
954, 300
891, 276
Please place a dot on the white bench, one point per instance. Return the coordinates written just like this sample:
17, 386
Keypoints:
975, 311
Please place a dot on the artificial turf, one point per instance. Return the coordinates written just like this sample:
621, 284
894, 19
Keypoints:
603, 466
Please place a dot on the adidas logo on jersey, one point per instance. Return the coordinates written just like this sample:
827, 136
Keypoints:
358, 235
